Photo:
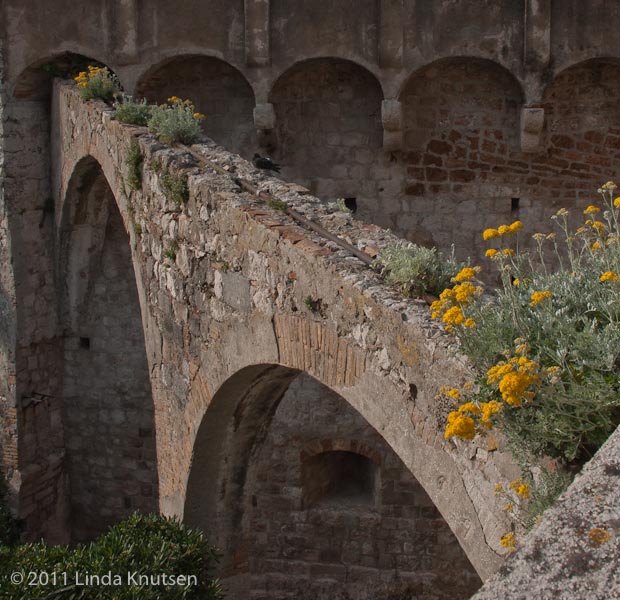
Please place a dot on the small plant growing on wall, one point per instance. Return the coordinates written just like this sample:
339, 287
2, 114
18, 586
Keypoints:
134, 165
415, 269
171, 251
132, 112
175, 187
176, 121
97, 83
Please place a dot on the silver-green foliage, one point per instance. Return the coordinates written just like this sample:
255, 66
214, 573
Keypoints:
133, 112
176, 121
416, 269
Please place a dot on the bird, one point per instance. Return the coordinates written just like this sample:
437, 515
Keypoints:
263, 162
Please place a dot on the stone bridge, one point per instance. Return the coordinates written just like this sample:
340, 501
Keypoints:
236, 301
180, 353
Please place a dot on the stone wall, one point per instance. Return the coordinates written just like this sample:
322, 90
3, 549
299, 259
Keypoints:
34, 403
370, 537
316, 82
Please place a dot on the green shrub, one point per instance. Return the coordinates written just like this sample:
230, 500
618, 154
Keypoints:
175, 121
131, 111
134, 165
415, 269
141, 546
97, 83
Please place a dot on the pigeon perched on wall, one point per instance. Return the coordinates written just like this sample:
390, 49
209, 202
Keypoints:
262, 162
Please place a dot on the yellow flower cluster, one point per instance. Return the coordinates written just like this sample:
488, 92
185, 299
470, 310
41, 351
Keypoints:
538, 297
85, 77
521, 489
609, 276
460, 425
515, 226
470, 418
466, 273
452, 300
514, 378
591, 210
509, 541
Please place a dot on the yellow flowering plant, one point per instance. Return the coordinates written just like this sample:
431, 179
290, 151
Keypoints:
97, 82
544, 345
547, 342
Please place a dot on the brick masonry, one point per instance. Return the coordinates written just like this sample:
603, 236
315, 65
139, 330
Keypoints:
301, 548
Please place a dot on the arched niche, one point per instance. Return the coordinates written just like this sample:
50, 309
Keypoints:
217, 89
328, 128
462, 161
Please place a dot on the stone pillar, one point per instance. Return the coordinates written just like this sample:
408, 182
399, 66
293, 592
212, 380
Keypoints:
265, 123
257, 48
537, 45
390, 39
537, 32
392, 120
532, 122
125, 30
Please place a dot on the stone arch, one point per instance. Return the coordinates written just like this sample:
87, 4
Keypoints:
591, 110
39, 467
245, 490
217, 88
108, 406
35, 81
328, 128
460, 130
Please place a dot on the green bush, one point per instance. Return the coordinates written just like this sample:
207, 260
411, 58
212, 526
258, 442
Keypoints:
415, 269
131, 111
97, 83
139, 547
545, 349
175, 121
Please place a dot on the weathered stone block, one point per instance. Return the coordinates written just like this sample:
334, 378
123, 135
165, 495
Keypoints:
392, 141
532, 121
391, 115
264, 116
